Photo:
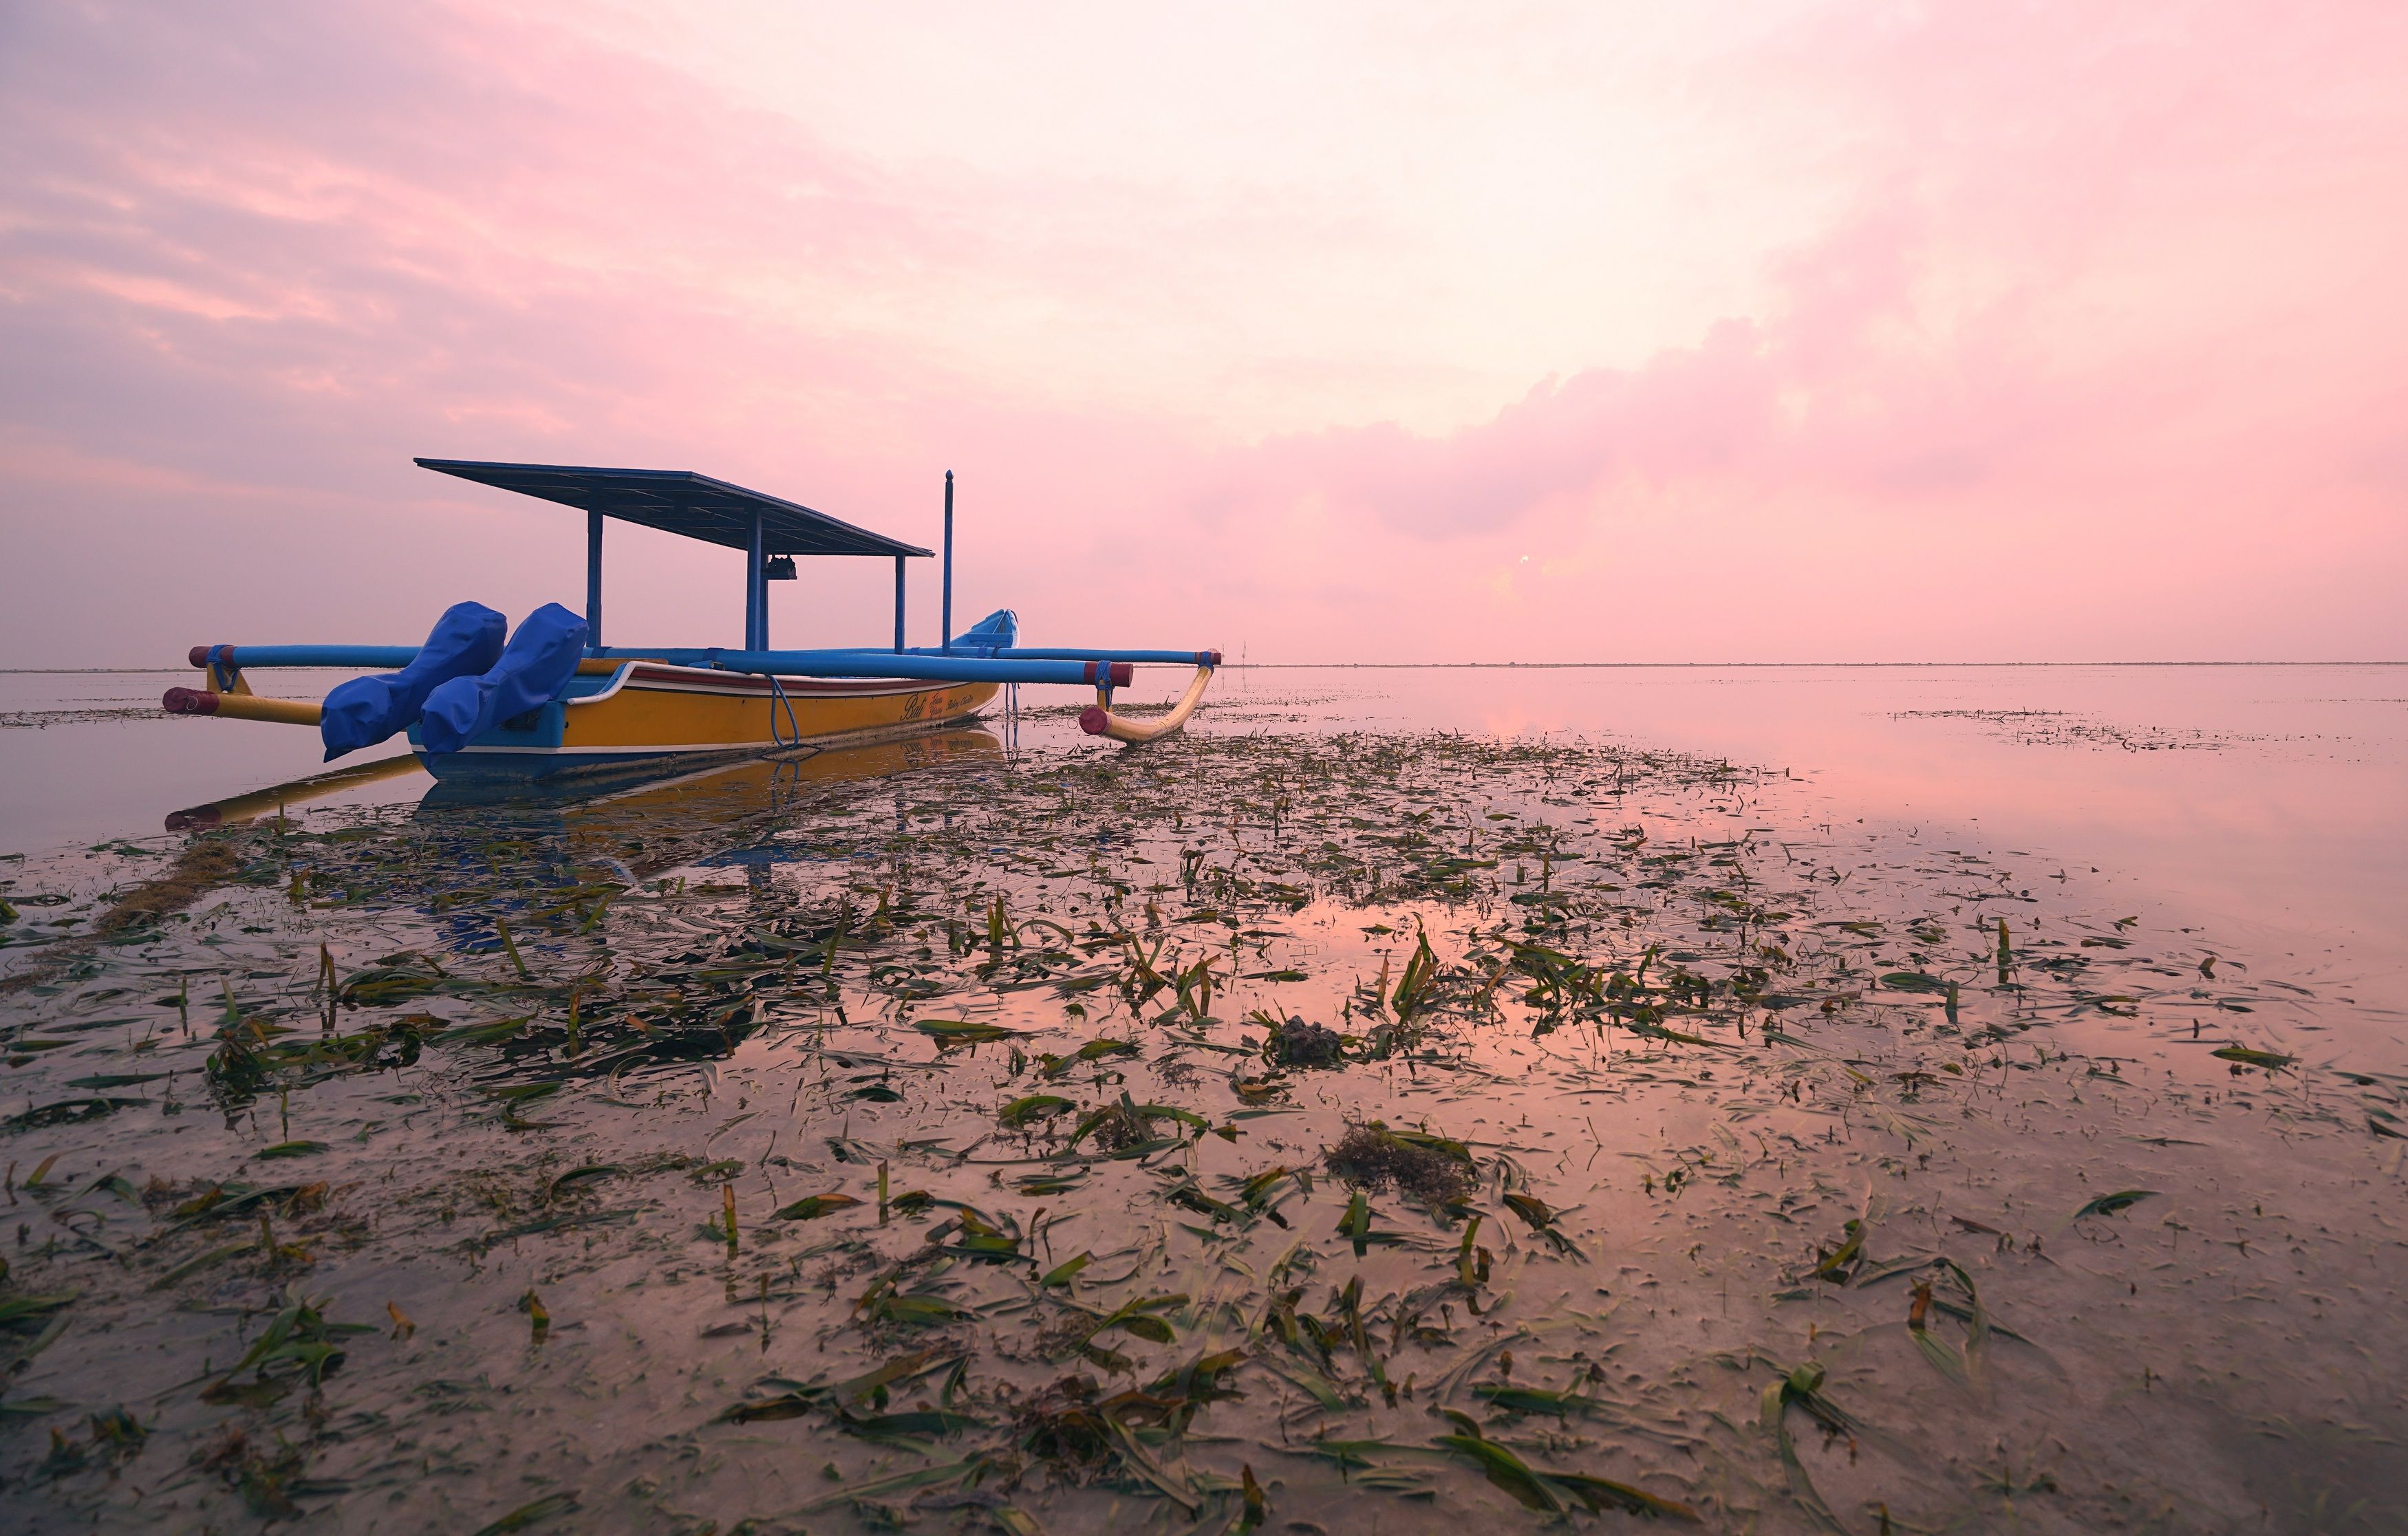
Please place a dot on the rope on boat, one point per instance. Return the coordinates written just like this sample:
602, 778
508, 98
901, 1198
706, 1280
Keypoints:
777, 692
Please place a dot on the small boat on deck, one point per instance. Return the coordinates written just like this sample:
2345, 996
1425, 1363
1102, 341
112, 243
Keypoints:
555, 699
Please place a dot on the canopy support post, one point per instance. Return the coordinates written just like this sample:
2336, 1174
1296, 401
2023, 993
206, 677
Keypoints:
898, 605
756, 595
593, 579
945, 613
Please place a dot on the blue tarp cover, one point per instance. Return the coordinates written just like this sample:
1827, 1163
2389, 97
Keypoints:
998, 631
466, 640
535, 665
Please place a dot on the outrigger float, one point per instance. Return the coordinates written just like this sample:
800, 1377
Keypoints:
554, 699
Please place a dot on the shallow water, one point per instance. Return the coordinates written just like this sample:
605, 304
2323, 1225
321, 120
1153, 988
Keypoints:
2270, 800
1679, 1004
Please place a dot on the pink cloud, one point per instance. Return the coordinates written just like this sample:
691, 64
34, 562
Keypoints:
2057, 333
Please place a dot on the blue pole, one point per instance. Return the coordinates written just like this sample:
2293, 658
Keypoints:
945, 614
1048, 666
694, 656
364, 658
898, 604
886, 664
756, 595
1028, 652
592, 578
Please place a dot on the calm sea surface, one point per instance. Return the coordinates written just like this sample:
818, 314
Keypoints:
2271, 801
1794, 1098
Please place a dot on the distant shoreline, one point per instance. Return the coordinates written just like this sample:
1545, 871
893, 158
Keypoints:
1462, 665
1733, 666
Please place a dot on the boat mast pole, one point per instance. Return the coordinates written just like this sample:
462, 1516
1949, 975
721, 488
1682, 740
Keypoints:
945, 635
756, 595
898, 605
593, 579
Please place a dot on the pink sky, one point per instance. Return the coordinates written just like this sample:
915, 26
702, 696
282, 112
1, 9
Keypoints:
1779, 332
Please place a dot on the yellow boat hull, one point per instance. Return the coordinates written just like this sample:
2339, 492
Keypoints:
660, 716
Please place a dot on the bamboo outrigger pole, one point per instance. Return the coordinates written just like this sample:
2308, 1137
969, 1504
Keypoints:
1098, 719
243, 706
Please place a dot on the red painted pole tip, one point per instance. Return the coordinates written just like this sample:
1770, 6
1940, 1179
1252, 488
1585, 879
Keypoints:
1123, 673
1093, 720
200, 656
189, 702
1211, 658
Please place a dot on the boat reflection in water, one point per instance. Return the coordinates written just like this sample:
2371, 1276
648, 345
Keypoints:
590, 834
744, 788
620, 828
482, 850
238, 809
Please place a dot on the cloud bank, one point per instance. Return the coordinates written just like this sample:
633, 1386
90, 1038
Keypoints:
1808, 332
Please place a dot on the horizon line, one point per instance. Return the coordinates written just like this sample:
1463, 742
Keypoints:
1474, 666
1434, 666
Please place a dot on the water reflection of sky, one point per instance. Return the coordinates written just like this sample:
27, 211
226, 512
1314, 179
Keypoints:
678, 986
2270, 802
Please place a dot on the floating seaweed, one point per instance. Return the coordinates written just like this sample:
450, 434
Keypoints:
1245, 1127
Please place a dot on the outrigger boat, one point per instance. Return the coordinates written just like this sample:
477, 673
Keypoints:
555, 699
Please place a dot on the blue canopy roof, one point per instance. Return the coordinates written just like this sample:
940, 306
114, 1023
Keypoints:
679, 501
